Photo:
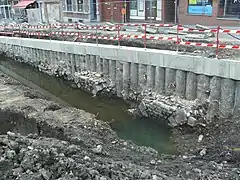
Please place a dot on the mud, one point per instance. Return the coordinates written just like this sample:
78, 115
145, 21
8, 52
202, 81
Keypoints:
42, 140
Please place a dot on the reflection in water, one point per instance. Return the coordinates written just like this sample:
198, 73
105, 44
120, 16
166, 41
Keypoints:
142, 131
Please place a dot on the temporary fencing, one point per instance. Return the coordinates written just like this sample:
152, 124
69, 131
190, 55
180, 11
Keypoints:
59, 29
76, 25
92, 36
209, 30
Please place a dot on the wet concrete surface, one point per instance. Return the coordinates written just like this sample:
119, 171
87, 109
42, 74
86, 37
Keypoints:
141, 131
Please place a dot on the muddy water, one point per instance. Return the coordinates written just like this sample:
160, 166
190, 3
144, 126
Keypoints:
146, 132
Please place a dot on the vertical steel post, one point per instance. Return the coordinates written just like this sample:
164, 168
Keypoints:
28, 30
145, 35
50, 33
12, 31
225, 8
97, 34
125, 15
62, 31
217, 42
175, 18
118, 28
177, 37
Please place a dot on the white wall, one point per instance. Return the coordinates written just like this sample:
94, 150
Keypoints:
33, 16
53, 12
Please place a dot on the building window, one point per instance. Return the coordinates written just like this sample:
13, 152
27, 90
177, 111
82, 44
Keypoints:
80, 5
133, 8
69, 5
200, 7
4, 2
5, 11
74, 5
16, 10
229, 9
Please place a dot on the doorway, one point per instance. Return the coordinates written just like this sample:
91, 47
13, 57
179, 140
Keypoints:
150, 10
93, 10
169, 13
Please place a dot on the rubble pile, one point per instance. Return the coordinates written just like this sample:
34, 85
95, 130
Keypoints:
174, 110
38, 158
94, 82
67, 144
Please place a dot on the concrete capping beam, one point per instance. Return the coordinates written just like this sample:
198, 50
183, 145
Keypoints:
170, 59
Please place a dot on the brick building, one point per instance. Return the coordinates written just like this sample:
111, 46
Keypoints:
138, 10
111, 10
209, 12
81, 11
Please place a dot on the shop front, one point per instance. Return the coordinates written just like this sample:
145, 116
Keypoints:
209, 12
138, 10
146, 10
229, 9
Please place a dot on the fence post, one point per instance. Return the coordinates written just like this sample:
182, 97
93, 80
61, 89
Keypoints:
12, 30
145, 35
62, 31
177, 37
118, 29
97, 34
217, 42
50, 34
28, 30
79, 38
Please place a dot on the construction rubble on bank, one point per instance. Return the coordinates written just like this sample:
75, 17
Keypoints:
67, 143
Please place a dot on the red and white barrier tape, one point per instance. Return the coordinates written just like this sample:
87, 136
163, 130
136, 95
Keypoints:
114, 27
209, 30
55, 26
97, 27
210, 45
150, 37
124, 36
8, 33
148, 25
99, 37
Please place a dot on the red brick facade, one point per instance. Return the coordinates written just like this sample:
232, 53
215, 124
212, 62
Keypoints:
111, 10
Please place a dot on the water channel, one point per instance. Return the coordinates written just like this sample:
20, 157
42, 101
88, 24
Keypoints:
141, 131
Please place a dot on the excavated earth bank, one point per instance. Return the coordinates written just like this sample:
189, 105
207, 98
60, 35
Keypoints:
41, 140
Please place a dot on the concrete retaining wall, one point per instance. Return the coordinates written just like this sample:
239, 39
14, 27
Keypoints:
159, 79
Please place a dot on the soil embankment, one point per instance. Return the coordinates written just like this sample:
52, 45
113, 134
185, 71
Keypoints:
67, 143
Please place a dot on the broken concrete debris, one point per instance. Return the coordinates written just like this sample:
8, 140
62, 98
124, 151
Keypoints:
60, 145
174, 110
